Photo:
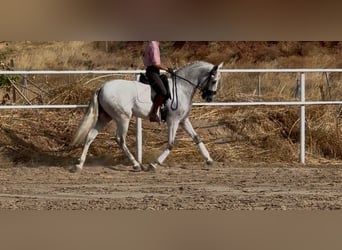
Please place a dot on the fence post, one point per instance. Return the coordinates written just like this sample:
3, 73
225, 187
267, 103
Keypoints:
259, 85
297, 94
302, 118
24, 84
139, 135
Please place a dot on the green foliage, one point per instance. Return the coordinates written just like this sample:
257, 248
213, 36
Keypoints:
5, 80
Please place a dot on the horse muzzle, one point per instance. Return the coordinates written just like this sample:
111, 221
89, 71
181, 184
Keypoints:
208, 95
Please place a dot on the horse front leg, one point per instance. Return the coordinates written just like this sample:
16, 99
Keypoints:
172, 130
187, 126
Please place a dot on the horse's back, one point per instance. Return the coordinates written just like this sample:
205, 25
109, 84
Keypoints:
119, 87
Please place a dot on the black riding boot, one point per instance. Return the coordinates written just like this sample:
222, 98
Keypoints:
157, 103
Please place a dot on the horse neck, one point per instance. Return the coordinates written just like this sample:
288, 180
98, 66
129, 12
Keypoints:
185, 87
194, 74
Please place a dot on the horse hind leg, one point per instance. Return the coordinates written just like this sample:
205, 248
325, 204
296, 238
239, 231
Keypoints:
122, 128
101, 122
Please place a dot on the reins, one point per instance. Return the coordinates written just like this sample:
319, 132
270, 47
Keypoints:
175, 90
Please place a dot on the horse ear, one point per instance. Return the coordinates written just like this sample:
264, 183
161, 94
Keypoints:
216, 67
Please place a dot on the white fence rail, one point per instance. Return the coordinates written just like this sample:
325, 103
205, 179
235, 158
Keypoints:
302, 103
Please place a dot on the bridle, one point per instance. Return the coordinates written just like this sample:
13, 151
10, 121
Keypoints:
198, 85
202, 87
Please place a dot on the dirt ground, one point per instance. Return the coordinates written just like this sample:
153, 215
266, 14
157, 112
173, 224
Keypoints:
223, 186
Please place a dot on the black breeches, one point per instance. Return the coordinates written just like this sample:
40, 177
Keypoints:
156, 82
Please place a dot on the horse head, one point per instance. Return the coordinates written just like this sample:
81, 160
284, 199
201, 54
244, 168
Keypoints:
209, 87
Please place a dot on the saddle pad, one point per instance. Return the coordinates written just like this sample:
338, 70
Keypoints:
143, 93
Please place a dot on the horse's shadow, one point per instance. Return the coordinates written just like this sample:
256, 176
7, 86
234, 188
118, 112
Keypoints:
21, 152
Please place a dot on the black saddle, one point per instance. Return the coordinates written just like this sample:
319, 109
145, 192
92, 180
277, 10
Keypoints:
143, 78
163, 110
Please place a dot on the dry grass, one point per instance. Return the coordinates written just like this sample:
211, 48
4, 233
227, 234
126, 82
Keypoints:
263, 134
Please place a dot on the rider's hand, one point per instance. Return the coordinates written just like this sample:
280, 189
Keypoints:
171, 71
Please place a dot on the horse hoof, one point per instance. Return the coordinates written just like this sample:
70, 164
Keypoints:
152, 167
75, 169
136, 168
210, 162
143, 168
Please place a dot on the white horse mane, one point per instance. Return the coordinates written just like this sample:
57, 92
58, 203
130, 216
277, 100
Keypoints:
193, 65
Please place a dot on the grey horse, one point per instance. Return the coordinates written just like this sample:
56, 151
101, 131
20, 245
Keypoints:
119, 100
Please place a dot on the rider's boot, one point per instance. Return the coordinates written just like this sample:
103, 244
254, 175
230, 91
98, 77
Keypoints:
157, 103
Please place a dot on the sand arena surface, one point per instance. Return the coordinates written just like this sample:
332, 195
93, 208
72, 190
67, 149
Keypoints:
223, 186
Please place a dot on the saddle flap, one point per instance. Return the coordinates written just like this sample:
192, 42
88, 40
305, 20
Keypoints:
144, 93
143, 78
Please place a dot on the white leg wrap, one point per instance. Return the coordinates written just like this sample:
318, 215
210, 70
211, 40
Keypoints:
163, 156
204, 151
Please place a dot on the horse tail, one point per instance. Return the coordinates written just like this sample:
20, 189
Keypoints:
89, 120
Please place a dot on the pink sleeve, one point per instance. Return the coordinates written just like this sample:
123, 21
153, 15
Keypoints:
155, 54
